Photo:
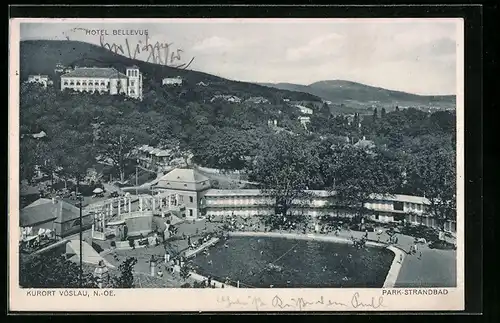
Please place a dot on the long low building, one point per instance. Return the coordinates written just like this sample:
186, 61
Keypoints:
254, 202
189, 188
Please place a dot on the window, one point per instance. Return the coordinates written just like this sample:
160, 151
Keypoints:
398, 206
190, 199
181, 199
84, 83
102, 84
419, 207
132, 83
190, 212
65, 82
71, 83
77, 82
96, 83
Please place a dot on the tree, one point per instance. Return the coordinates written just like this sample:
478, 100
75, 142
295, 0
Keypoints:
353, 175
116, 143
286, 167
433, 176
73, 153
27, 159
382, 113
51, 271
375, 114
126, 278
224, 149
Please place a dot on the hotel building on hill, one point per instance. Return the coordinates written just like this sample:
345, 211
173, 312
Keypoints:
104, 80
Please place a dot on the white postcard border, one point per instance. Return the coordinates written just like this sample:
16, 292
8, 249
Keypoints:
230, 299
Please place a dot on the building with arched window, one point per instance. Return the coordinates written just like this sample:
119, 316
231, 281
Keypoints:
104, 80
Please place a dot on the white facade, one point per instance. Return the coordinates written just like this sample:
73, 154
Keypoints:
304, 120
172, 81
304, 110
104, 80
40, 79
248, 202
134, 88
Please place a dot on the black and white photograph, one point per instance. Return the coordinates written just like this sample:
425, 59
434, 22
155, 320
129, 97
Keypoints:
238, 155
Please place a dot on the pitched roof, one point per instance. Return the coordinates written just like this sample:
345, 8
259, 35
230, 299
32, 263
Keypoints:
43, 210
162, 153
401, 198
184, 179
256, 192
95, 72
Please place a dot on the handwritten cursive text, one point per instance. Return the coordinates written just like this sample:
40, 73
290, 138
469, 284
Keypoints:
158, 53
252, 301
374, 303
300, 303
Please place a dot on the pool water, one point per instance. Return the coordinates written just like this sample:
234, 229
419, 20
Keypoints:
261, 262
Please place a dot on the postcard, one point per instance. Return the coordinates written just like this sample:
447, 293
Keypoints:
175, 165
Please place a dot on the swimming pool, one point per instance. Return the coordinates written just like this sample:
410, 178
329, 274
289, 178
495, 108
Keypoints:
258, 262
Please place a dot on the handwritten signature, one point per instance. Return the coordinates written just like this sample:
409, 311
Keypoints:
374, 303
158, 53
254, 301
300, 303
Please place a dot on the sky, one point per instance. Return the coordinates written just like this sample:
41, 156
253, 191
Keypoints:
412, 55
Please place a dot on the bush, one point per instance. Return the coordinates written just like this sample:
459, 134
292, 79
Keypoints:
429, 234
186, 285
442, 245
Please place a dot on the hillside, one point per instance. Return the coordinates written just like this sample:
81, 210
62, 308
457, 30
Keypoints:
41, 57
360, 95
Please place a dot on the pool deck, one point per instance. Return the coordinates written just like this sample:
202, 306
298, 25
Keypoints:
209, 243
392, 274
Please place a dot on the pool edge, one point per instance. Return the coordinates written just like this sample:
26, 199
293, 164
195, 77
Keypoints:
392, 274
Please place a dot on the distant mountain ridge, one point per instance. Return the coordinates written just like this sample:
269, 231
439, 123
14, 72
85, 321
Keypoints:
348, 92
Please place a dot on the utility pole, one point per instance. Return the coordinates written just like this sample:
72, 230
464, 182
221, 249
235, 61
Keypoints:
136, 182
80, 198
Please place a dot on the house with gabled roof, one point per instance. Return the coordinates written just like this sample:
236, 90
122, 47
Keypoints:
184, 187
54, 214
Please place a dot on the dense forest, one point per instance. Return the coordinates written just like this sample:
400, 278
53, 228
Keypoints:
409, 151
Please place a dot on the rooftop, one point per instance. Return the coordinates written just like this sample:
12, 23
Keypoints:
255, 192
95, 72
39, 75
43, 210
184, 179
